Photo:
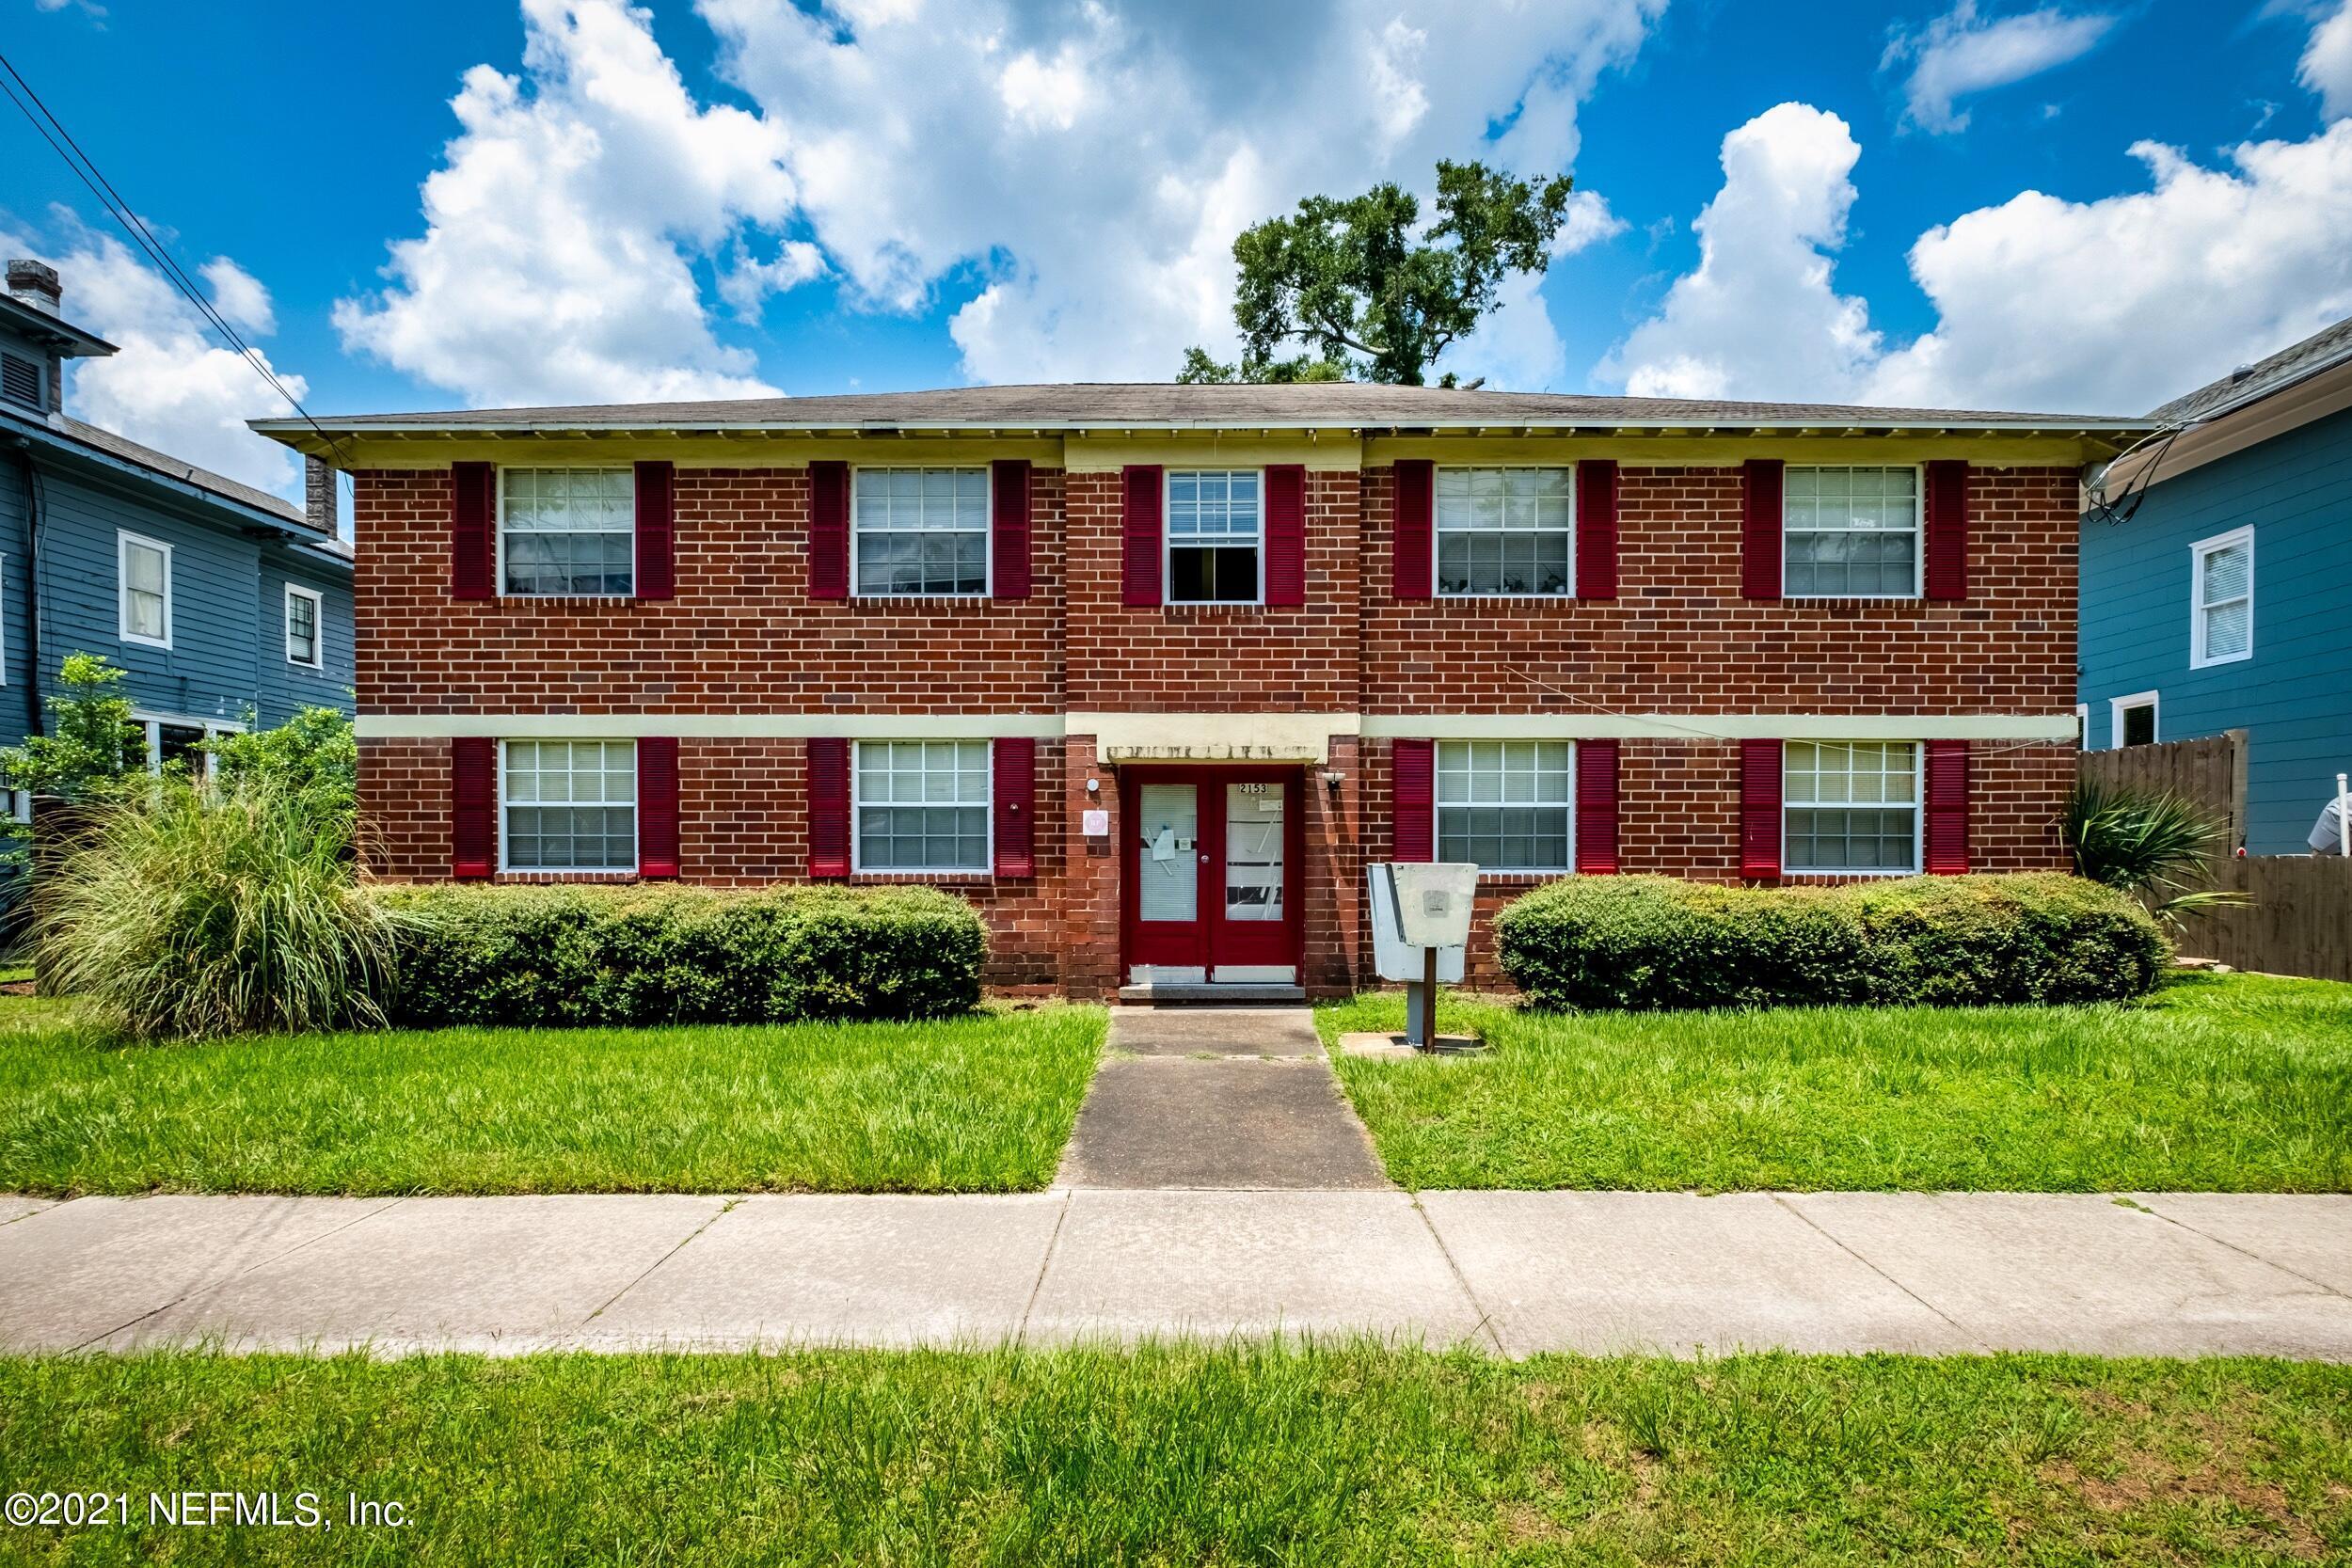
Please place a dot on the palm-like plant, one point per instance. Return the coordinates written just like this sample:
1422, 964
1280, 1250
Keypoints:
2149, 842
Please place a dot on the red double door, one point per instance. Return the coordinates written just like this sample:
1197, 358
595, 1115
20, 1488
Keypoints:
1209, 873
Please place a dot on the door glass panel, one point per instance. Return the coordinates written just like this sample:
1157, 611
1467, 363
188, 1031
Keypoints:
1253, 851
1168, 866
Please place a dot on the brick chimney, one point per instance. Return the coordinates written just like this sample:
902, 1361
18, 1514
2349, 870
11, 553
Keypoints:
35, 283
318, 495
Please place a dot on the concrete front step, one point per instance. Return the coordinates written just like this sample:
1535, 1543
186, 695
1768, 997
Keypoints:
1162, 994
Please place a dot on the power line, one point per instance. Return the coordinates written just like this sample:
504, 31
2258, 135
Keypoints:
85, 168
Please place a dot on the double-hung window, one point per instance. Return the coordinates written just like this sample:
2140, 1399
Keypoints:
2223, 629
920, 531
143, 567
1504, 531
1850, 534
1505, 805
922, 805
305, 644
568, 531
570, 805
1215, 524
1850, 806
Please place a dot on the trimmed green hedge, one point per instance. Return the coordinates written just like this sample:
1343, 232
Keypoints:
585, 955
1657, 942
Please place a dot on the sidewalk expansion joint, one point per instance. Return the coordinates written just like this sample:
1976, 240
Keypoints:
1872, 1264
1037, 1286
724, 1210
1486, 1319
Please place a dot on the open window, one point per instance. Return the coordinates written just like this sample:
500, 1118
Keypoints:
1216, 531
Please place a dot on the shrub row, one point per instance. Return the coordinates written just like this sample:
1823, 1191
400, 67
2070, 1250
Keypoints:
1656, 943
541, 956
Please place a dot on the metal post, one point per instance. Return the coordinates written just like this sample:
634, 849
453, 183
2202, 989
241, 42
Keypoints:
1420, 1005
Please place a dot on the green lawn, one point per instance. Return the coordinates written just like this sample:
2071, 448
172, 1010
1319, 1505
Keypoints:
1223, 1456
2219, 1082
974, 1105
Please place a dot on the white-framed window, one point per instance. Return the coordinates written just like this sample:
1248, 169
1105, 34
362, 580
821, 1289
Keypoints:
143, 572
167, 738
919, 533
1850, 533
1216, 525
1507, 805
2082, 726
306, 626
920, 805
567, 533
2131, 721
1505, 532
1850, 807
567, 805
2222, 598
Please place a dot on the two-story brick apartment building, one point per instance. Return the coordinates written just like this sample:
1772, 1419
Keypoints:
1150, 673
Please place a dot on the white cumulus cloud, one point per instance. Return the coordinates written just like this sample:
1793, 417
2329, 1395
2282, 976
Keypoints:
563, 226
1961, 54
2326, 67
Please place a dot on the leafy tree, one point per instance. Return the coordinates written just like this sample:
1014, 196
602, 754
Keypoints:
311, 759
93, 746
1345, 279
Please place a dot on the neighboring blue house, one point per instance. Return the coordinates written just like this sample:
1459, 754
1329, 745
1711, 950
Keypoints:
2224, 600
227, 606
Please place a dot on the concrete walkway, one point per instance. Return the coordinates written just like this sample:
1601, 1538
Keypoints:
1235, 1099
1516, 1273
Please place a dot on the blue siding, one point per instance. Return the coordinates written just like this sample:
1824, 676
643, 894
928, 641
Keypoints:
286, 686
2294, 697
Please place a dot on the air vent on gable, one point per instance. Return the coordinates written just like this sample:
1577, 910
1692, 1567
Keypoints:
20, 381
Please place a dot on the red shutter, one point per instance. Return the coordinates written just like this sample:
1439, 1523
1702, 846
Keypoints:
657, 806
1139, 536
828, 807
1286, 535
1597, 806
1759, 528
1009, 519
1947, 529
657, 531
827, 531
1016, 763
1409, 560
1596, 530
472, 521
1948, 808
474, 839
1412, 766
1760, 808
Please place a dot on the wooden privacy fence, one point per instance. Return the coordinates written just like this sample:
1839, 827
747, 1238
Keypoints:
2300, 921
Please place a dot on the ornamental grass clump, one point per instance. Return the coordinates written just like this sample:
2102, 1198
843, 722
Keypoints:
196, 911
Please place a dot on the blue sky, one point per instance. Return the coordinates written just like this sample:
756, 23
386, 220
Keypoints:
736, 196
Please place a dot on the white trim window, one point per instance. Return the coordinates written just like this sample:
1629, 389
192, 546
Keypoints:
920, 805
1850, 533
1505, 532
168, 740
567, 805
2222, 599
1850, 807
2132, 720
1507, 805
1215, 525
306, 626
919, 533
143, 575
567, 533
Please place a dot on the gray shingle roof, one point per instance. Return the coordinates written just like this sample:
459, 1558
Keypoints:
1148, 404
2252, 383
163, 462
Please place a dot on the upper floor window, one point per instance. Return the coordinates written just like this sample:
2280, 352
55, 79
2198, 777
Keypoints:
1850, 806
1505, 805
1215, 522
568, 531
2131, 721
305, 644
570, 805
921, 805
21, 380
143, 570
919, 531
2222, 628
1850, 534
1504, 531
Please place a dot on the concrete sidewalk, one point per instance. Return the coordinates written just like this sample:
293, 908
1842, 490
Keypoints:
1514, 1272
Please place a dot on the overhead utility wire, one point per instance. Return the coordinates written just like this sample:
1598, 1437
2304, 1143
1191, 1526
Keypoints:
85, 168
